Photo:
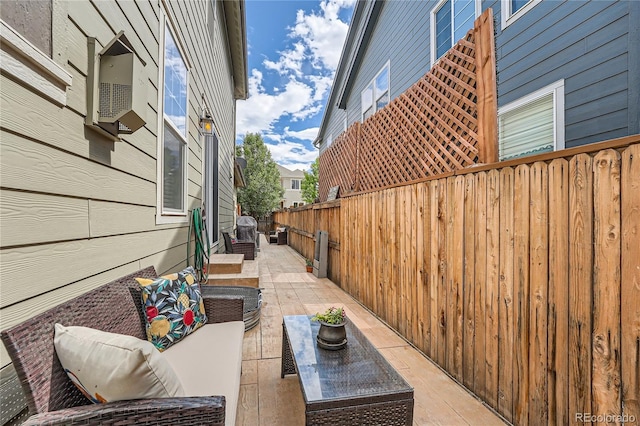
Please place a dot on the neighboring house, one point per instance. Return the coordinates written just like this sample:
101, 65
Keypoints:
95, 186
291, 181
568, 72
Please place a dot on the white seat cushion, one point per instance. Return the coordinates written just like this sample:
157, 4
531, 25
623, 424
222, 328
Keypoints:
209, 362
113, 367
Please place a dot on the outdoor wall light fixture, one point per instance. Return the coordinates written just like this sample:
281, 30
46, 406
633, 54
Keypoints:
206, 123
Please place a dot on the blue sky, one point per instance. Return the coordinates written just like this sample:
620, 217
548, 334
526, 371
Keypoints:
294, 48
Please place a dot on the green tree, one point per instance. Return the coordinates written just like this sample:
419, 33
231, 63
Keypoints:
263, 191
310, 184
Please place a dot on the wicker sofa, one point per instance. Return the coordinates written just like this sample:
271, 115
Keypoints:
116, 307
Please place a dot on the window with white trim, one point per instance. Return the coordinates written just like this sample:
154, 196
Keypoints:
376, 95
533, 124
173, 153
450, 21
511, 10
295, 183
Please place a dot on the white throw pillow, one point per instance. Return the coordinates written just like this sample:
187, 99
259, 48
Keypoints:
114, 367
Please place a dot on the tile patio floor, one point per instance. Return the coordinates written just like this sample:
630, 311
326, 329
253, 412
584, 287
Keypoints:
266, 399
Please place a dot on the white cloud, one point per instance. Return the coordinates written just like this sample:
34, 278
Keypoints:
292, 155
306, 134
290, 60
261, 110
322, 85
323, 33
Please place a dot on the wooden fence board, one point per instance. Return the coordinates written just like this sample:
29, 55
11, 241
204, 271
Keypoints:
395, 236
505, 310
405, 289
468, 291
558, 338
538, 292
521, 300
492, 294
606, 380
630, 291
450, 290
382, 259
457, 279
442, 260
433, 269
479, 368
425, 280
415, 264
580, 289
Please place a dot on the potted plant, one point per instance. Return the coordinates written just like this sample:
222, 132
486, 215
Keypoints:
332, 334
309, 265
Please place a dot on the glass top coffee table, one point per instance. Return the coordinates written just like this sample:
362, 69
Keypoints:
355, 385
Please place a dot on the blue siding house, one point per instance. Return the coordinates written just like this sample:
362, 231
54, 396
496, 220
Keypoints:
568, 72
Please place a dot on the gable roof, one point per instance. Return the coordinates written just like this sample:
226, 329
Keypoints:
287, 173
234, 14
365, 15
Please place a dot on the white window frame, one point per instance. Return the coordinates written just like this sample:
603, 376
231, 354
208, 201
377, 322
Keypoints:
376, 96
557, 89
299, 183
164, 216
509, 18
434, 59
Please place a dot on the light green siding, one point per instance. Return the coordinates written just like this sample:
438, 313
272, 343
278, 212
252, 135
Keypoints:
78, 210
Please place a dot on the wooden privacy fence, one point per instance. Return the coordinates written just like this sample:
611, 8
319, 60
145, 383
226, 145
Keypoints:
303, 222
435, 126
521, 279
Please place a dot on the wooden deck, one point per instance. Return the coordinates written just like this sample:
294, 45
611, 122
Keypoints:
266, 399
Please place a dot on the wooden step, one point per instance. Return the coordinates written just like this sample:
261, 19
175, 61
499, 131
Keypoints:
226, 263
249, 276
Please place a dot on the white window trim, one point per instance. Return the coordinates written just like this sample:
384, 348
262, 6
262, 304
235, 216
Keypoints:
52, 82
372, 83
299, 183
170, 216
478, 4
509, 18
557, 88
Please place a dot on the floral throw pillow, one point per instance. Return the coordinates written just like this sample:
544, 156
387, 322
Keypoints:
173, 307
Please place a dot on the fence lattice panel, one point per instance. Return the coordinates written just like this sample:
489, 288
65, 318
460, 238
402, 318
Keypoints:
340, 159
432, 128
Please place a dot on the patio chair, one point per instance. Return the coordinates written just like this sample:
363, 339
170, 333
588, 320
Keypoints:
238, 247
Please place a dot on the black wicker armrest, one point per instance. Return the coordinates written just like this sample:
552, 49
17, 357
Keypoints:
199, 410
223, 308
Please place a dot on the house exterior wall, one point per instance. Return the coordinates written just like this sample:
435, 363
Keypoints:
78, 210
290, 195
389, 42
593, 46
